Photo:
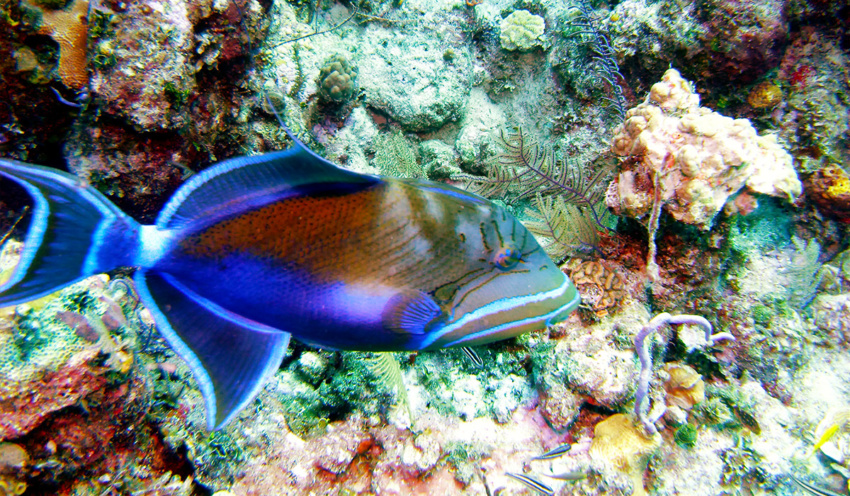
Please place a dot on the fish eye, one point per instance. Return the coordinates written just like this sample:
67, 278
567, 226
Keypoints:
507, 257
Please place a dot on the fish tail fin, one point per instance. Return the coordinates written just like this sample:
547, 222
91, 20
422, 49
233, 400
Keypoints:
75, 232
230, 356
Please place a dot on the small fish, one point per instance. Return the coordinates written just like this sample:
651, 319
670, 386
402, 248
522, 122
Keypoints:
825, 437
257, 249
810, 489
747, 419
534, 484
569, 476
555, 452
473, 356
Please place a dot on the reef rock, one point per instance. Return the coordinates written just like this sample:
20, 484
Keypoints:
690, 159
422, 86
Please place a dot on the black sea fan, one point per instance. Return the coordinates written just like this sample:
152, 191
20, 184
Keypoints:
562, 229
568, 203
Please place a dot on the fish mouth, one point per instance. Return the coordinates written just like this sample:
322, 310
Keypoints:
505, 306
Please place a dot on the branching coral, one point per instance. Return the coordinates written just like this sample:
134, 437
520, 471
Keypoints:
641, 406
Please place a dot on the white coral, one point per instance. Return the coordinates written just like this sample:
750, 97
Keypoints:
698, 157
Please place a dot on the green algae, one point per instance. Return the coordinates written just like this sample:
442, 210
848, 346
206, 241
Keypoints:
686, 436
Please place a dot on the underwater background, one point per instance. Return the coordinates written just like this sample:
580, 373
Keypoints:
677, 158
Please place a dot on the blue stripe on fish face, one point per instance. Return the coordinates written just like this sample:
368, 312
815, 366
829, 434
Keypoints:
506, 305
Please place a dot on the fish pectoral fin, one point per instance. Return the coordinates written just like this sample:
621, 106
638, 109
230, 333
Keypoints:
230, 356
410, 312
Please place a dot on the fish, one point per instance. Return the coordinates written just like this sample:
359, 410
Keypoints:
532, 483
554, 452
574, 475
257, 249
473, 356
811, 489
828, 434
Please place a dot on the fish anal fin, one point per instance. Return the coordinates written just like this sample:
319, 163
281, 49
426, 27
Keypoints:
230, 357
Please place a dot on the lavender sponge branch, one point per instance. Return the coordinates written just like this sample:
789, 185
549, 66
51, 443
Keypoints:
641, 406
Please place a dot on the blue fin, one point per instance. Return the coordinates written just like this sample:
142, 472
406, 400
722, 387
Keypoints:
233, 185
230, 356
75, 232
410, 313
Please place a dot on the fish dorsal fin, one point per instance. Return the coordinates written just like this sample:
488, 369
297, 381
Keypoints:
410, 313
237, 184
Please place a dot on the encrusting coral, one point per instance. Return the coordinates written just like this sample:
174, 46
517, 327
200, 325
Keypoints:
617, 441
689, 160
697, 157
70, 30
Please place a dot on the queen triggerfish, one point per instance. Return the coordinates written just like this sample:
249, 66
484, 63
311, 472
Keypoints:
255, 249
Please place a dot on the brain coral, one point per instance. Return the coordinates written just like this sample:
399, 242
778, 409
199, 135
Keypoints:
521, 31
691, 159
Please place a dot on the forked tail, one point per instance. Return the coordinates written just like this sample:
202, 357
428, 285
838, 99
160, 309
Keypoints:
75, 232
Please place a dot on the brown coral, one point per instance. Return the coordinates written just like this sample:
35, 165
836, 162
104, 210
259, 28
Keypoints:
830, 189
601, 288
765, 95
70, 30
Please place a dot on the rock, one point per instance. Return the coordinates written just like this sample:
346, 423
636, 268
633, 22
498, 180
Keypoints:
409, 79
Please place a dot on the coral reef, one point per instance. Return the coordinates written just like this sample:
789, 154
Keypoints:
829, 188
93, 402
69, 28
601, 287
765, 95
687, 160
813, 120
